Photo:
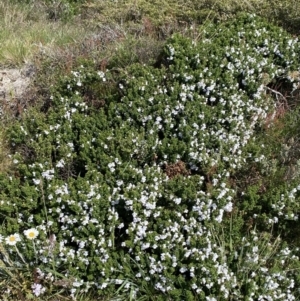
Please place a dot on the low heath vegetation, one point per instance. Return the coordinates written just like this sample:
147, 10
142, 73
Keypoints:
168, 178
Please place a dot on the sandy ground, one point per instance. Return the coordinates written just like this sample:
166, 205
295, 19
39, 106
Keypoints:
14, 82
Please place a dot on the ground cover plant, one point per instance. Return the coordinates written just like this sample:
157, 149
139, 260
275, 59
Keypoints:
133, 182
48, 26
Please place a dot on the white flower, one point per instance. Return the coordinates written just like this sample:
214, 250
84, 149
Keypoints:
12, 239
77, 283
183, 270
121, 226
101, 74
38, 289
31, 233
228, 207
177, 201
36, 181
48, 174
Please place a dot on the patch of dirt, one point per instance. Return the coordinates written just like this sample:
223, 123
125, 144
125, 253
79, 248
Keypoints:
14, 82
176, 169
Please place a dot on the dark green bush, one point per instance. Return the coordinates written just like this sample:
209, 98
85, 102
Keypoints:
133, 172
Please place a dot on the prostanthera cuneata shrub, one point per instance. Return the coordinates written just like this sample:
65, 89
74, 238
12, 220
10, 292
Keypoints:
135, 182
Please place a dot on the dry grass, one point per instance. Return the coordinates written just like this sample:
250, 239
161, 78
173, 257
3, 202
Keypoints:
167, 14
26, 30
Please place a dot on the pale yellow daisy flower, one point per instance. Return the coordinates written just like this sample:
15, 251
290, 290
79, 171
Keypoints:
12, 239
31, 233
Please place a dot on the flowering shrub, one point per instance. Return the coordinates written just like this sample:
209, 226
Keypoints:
129, 179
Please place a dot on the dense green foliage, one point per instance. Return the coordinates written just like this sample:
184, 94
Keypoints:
140, 174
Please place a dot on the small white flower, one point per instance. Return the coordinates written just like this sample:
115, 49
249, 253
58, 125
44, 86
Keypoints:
48, 174
228, 207
121, 226
77, 283
101, 74
12, 239
38, 289
60, 163
119, 281
36, 181
31, 233
183, 270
